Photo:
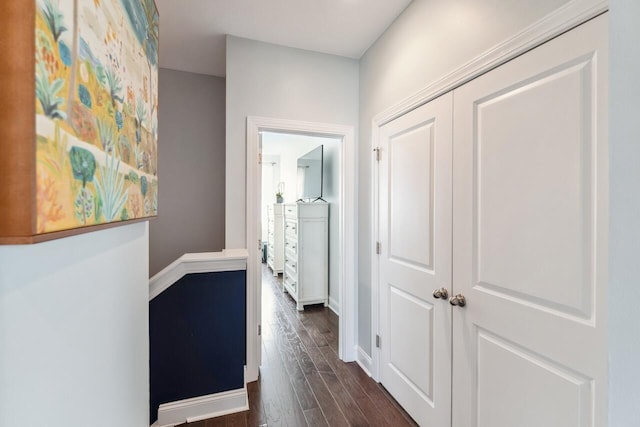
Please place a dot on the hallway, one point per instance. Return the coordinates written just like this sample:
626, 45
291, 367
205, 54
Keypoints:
302, 381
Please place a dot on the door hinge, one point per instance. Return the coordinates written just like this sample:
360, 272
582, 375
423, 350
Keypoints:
378, 250
377, 151
377, 341
259, 158
259, 330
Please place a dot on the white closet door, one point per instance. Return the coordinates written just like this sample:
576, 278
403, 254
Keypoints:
530, 238
415, 260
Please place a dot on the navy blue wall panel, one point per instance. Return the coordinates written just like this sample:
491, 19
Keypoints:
197, 337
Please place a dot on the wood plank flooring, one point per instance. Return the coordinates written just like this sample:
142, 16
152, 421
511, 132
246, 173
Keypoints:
302, 380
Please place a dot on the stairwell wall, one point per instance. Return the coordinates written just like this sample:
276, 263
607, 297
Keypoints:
191, 146
74, 343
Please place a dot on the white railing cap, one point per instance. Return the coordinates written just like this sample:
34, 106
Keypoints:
202, 262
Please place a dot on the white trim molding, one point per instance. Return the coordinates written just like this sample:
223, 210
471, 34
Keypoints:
201, 408
373, 254
555, 23
561, 20
364, 360
204, 262
346, 218
334, 306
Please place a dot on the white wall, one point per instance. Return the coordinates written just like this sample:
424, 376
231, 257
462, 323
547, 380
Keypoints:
331, 193
278, 82
270, 178
288, 147
429, 39
74, 343
624, 239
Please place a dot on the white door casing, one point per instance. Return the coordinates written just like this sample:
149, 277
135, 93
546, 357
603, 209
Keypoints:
345, 218
415, 260
530, 218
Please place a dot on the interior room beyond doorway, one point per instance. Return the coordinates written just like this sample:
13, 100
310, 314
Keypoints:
285, 159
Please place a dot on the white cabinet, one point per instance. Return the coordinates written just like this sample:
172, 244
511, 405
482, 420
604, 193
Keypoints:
493, 224
530, 238
415, 259
306, 253
275, 238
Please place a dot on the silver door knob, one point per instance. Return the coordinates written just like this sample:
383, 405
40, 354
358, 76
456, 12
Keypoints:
458, 300
441, 293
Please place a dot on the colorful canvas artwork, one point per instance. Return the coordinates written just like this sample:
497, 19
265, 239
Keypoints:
96, 112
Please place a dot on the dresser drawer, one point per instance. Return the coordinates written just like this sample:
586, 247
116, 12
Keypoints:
290, 272
291, 229
291, 247
291, 283
291, 211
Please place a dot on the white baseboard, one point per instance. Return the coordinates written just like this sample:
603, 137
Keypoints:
364, 360
333, 305
201, 408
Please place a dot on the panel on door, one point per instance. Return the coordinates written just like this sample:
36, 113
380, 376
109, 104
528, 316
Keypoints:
530, 238
415, 236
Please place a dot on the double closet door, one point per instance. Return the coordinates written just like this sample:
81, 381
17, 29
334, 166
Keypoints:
493, 216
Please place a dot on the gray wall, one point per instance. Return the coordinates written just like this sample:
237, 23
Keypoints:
624, 239
426, 42
191, 147
278, 82
74, 342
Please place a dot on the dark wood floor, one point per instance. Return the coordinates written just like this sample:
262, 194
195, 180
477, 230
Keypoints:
302, 380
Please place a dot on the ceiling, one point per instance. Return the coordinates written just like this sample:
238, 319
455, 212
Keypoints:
192, 32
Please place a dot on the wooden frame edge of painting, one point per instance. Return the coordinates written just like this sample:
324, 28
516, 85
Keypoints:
17, 120
79, 121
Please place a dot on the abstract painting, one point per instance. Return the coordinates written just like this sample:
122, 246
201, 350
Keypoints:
96, 101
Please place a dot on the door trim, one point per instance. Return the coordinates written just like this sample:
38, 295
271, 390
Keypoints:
347, 232
555, 23
563, 19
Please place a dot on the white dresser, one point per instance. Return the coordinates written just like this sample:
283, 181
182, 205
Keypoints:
306, 254
275, 238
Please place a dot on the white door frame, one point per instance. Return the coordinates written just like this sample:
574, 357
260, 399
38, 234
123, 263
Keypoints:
572, 14
347, 231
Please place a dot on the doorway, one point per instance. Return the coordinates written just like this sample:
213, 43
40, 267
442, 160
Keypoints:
342, 251
301, 168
